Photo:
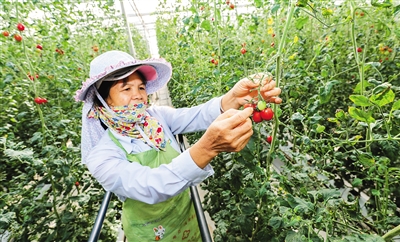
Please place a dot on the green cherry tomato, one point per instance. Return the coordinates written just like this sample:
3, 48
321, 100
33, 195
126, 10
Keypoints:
261, 105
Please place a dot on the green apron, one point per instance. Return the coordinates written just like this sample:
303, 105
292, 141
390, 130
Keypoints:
171, 220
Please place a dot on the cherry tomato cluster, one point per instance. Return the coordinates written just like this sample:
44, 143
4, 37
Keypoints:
260, 111
60, 51
33, 77
40, 100
231, 5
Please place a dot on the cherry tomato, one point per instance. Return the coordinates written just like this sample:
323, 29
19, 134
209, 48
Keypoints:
261, 105
248, 105
243, 51
6, 33
267, 114
39, 47
20, 27
269, 139
257, 117
40, 100
18, 37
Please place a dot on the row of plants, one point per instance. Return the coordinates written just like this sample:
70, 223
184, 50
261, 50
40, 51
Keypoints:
45, 49
326, 167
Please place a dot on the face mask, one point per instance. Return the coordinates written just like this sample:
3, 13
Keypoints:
133, 121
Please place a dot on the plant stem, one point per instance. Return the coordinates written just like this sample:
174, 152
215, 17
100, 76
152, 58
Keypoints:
219, 48
392, 233
54, 194
278, 78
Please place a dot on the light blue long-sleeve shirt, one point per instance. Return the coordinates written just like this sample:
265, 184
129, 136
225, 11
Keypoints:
109, 165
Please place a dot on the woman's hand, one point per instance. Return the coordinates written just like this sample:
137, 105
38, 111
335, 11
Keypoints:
247, 89
230, 132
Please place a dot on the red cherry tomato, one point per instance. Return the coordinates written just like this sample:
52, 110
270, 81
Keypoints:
248, 105
20, 27
257, 117
267, 114
18, 37
269, 139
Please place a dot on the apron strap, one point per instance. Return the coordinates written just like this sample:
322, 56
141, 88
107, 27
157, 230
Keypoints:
116, 141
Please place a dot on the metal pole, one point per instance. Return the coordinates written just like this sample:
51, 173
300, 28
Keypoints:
201, 219
128, 29
94, 235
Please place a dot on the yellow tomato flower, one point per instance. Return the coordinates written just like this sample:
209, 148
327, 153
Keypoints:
296, 39
270, 30
270, 21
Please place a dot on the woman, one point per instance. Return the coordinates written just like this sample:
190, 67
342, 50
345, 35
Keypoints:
130, 148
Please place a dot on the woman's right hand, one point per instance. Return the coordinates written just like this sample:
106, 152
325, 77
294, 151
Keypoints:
230, 132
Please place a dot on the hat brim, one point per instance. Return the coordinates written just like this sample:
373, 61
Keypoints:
148, 72
163, 70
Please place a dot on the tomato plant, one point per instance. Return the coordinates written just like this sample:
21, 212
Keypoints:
336, 130
46, 192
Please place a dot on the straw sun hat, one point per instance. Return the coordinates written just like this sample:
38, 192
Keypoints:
111, 66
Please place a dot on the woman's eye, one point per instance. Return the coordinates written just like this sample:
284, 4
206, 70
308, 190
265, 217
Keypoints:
142, 88
127, 89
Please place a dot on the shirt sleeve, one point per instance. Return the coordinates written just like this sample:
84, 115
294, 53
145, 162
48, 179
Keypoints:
108, 164
185, 120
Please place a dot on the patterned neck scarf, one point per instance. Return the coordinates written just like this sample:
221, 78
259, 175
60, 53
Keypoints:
133, 121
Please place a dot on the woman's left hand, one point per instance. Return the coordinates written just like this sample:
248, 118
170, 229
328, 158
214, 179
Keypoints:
247, 89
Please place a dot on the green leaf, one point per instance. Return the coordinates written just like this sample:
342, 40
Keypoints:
275, 8
375, 192
303, 206
196, 19
329, 193
320, 128
357, 89
293, 237
301, 3
218, 15
396, 105
383, 98
396, 10
366, 160
297, 117
249, 208
18, 154
357, 182
186, 20
206, 25
258, 3
190, 59
275, 222
381, 3
381, 88
360, 100
340, 114
325, 92
360, 115
300, 22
